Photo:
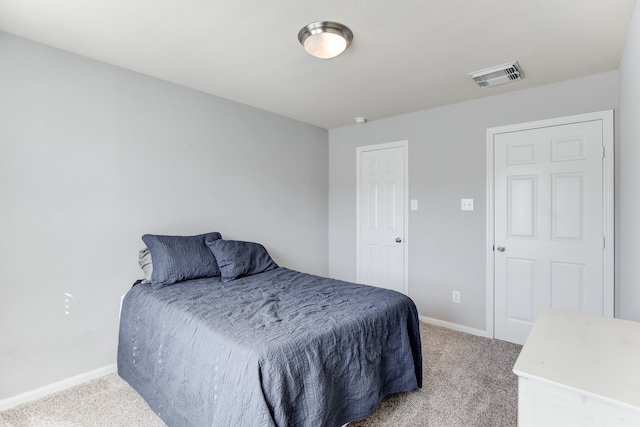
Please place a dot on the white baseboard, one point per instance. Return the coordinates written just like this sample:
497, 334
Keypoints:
56, 387
455, 326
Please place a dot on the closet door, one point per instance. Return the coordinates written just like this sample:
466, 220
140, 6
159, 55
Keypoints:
549, 225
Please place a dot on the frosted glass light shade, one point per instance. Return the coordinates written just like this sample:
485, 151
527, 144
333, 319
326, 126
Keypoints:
325, 45
325, 39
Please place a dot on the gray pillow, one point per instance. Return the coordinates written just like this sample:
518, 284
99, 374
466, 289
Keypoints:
237, 259
178, 258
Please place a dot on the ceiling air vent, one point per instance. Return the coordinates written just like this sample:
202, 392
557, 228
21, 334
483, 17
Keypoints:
497, 75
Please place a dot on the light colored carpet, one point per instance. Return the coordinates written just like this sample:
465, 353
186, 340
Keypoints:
467, 381
103, 402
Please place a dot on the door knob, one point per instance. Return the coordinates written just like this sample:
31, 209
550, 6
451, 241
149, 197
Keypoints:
398, 240
501, 248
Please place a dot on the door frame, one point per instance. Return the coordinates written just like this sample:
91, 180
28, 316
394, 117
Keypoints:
405, 238
608, 197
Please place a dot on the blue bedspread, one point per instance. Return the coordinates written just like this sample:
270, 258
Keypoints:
280, 348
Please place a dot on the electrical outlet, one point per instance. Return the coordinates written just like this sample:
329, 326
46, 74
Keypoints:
455, 296
466, 204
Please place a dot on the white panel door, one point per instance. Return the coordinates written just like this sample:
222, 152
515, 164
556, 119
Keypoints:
381, 217
549, 227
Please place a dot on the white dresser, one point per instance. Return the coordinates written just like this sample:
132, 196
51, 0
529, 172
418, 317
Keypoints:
579, 370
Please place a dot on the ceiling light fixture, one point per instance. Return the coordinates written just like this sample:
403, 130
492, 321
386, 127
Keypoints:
499, 74
325, 39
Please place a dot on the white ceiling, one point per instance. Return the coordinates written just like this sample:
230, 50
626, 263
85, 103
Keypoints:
407, 55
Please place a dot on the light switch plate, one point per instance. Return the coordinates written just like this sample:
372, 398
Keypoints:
466, 204
414, 205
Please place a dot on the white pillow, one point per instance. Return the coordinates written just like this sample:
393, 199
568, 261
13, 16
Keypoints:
144, 259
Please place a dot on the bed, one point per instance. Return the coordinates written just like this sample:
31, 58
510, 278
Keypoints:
255, 344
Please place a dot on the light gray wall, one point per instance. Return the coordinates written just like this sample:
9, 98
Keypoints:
629, 188
92, 157
447, 163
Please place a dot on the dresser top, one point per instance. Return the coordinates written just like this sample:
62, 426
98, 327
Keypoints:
596, 355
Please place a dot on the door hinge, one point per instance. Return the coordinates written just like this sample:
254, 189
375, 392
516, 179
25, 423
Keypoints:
604, 242
603, 151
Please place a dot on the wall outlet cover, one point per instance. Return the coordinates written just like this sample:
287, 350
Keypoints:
466, 204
